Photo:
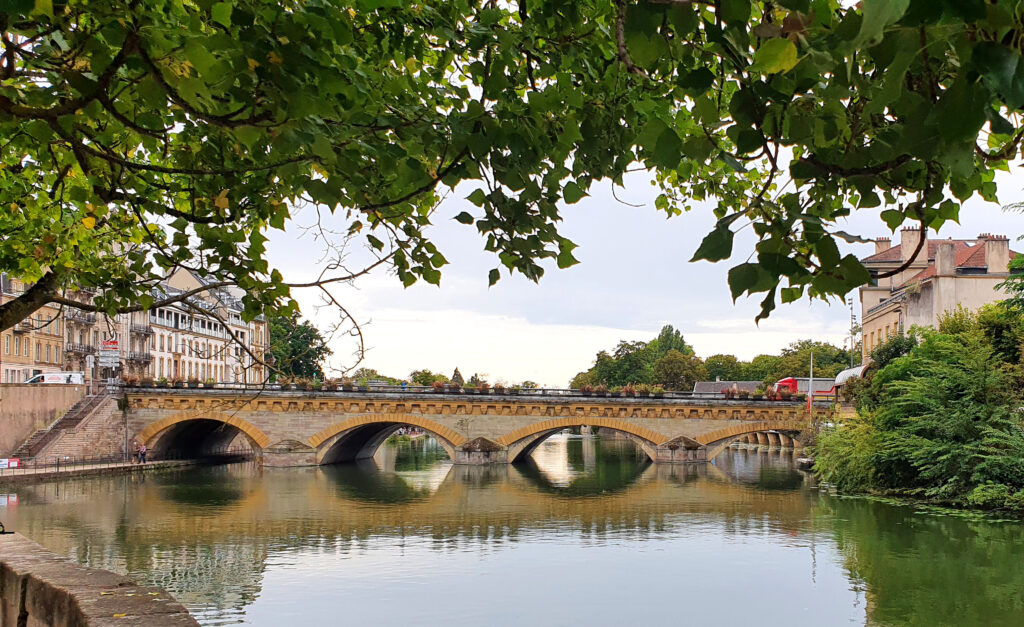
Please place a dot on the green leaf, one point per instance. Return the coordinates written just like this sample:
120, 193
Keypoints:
892, 218
827, 252
43, 7
1002, 70
493, 276
221, 13
376, 243
572, 192
464, 218
477, 197
878, 14
746, 277
775, 56
668, 149
716, 246
735, 12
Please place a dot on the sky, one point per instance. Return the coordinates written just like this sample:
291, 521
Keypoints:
634, 276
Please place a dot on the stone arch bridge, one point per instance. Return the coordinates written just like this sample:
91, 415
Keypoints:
304, 428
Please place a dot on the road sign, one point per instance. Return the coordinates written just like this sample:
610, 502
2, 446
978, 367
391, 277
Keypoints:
110, 355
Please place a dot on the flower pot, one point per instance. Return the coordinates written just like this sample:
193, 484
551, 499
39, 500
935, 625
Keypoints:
147, 384
192, 385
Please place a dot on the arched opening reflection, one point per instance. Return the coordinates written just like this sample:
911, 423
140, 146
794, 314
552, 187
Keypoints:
365, 481
760, 466
579, 465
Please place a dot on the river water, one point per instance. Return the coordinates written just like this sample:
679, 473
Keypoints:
589, 533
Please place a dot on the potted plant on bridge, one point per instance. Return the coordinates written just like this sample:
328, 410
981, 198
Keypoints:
177, 381
499, 388
643, 390
470, 388
302, 383
162, 382
329, 385
629, 390
616, 391
348, 385
130, 381
587, 389
759, 393
146, 382
515, 389
438, 387
210, 382
658, 391
485, 387
743, 394
193, 382
316, 385
601, 389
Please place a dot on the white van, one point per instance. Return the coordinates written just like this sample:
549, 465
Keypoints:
69, 378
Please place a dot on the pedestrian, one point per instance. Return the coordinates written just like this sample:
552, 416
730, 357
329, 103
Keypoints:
135, 452
142, 454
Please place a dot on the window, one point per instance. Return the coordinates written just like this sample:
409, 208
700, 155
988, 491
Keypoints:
7, 345
47, 352
17, 345
39, 352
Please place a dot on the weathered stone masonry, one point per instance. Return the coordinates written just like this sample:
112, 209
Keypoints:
292, 428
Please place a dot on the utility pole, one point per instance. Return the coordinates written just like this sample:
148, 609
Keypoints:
810, 386
853, 329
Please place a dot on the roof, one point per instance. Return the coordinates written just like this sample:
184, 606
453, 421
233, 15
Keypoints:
850, 373
715, 387
965, 257
894, 254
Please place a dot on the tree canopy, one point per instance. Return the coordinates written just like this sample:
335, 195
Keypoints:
298, 348
141, 137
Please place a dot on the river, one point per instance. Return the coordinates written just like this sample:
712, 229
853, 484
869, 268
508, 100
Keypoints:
588, 533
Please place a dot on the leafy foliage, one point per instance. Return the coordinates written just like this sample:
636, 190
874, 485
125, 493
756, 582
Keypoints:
298, 348
676, 371
943, 421
146, 136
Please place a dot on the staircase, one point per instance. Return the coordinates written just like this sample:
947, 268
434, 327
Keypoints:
74, 416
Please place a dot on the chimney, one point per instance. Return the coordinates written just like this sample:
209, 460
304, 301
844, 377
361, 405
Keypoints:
909, 238
882, 244
997, 253
945, 259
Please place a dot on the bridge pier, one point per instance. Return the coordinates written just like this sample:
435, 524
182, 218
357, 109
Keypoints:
762, 439
773, 439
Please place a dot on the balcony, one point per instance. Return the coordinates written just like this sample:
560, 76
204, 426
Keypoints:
23, 327
79, 349
142, 358
81, 317
141, 329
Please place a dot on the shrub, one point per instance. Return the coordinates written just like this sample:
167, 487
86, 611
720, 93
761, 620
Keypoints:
438, 386
587, 389
629, 390
658, 390
601, 389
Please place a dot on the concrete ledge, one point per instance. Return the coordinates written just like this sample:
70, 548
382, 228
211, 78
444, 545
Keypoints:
39, 588
44, 475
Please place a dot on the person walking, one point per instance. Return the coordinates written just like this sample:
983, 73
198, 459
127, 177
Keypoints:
142, 454
135, 452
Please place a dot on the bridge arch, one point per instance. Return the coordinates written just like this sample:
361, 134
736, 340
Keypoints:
360, 436
522, 442
717, 441
199, 432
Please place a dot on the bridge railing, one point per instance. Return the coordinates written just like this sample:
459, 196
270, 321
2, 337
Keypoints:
255, 388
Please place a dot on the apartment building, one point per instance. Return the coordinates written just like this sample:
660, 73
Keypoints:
33, 346
943, 275
186, 340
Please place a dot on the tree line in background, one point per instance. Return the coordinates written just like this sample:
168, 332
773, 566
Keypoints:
670, 362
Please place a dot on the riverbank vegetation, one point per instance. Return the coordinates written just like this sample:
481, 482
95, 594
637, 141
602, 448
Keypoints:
941, 419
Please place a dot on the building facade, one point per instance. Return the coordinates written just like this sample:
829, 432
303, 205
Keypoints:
202, 338
941, 276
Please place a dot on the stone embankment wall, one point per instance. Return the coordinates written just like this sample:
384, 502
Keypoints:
24, 409
101, 433
39, 588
